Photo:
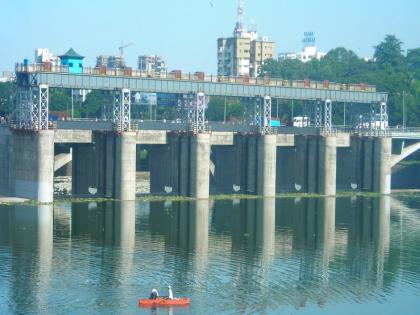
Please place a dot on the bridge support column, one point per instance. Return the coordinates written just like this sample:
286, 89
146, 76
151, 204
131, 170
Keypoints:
367, 160
125, 166
382, 165
199, 166
327, 166
266, 175
33, 165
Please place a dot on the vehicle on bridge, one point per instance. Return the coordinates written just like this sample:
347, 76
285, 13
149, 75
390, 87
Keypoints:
380, 122
301, 121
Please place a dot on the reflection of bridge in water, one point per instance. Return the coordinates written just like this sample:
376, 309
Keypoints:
186, 157
306, 250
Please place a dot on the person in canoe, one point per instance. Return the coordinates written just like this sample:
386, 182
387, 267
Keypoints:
170, 294
154, 294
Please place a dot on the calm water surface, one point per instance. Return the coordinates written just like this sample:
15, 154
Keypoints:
295, 256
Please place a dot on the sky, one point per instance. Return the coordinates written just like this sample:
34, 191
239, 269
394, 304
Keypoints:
184, 32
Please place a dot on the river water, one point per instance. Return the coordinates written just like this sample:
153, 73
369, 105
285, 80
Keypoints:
354, 255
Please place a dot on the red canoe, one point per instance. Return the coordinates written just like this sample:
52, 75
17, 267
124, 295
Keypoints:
164, 302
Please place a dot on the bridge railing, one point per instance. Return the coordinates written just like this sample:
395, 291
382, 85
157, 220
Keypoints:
199, 77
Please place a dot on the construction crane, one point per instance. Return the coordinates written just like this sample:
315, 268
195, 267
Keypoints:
121, 48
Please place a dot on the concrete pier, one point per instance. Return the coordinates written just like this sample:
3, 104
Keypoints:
266, 176
382, 165
200, 163
251, 165
5, 163
107, 167
327, 166
125, 166
367, 160
194, 165
32, 160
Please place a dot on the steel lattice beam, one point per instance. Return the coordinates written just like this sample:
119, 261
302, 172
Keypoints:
266, 123
43, 107
372, 123
190, 102
318, 114
122, 110
257, 112
384, 117
328, 116
32, 107
200, 120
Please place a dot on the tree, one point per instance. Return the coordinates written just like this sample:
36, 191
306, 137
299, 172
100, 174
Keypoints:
94, 103
60, 100
391, 72
389, 52
7, 98
413, 59
413, 62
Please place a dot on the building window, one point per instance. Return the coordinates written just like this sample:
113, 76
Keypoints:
70, 64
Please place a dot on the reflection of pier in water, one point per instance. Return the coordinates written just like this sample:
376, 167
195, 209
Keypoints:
326, 269
295, 251
28, 231
111, 228
185, 226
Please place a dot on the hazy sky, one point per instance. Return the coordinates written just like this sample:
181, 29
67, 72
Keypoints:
184, 32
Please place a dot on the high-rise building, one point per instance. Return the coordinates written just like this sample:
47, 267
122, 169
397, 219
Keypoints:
309, 51
151, 63
112, 62
261, 50
244, 53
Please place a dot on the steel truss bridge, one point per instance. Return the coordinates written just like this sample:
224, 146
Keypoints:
34, 81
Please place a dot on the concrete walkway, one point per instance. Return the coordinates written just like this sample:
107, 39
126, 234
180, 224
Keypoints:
12, 200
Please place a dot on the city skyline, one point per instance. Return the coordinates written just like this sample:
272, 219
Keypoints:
185, 33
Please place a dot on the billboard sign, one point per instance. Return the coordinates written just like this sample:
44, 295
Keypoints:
149, 99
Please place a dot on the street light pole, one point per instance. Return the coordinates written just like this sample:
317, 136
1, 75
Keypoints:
344, 114
403, 96
224, 113
72, 111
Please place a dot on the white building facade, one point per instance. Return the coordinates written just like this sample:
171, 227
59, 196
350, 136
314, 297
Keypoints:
309, 51
44, 55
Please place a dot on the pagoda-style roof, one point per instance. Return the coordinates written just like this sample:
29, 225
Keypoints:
71, 54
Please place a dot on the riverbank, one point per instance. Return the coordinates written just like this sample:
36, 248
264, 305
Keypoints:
155, 198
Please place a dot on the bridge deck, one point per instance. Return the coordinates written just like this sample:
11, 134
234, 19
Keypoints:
210, 85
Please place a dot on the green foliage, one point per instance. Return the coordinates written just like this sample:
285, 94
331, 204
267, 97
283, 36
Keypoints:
60, 100
216, 109
389, 52
95, 101
7, 98
392, 72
